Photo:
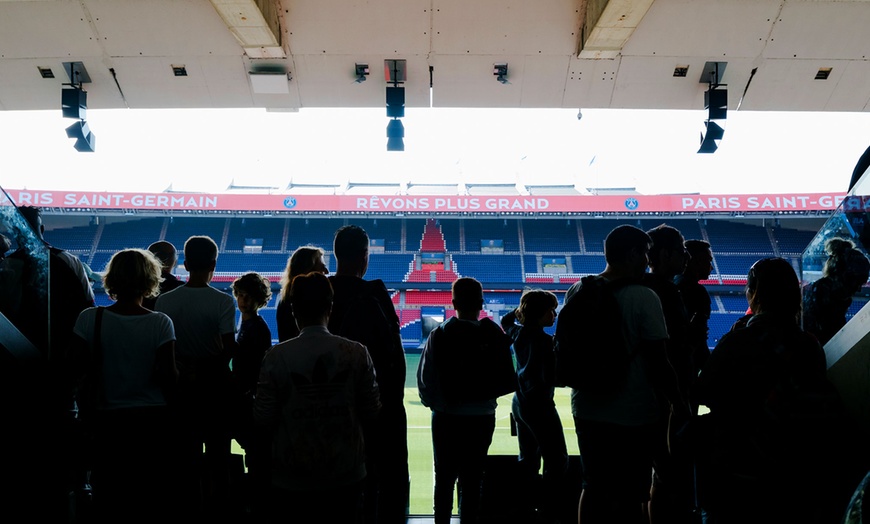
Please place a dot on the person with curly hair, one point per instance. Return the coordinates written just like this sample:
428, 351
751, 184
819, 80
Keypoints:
126, 354
826, 301
252, 291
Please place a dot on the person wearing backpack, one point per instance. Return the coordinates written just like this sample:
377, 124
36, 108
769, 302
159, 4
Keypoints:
363, 311
617, 419
465, 366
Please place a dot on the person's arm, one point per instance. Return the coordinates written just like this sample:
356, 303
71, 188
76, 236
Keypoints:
653, 346
710, 383
397, 355
661, 373
285, 321
227, 328
368, 399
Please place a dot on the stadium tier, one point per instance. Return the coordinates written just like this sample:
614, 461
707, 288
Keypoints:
418, 258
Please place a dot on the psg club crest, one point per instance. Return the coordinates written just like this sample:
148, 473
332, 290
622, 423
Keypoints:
290, 202
631, 204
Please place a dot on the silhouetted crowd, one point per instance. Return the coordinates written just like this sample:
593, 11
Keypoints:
162, 380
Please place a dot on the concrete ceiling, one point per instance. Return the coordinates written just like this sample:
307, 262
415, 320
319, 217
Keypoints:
560, 53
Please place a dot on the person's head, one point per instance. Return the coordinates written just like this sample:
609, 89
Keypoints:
537, 308
773, 287
846, 264
311, 299
667, 254
252, 292
304, 260
166, 253
626, 249
700, 263
33, 216
132, 274
351, 248
467, 297
200, 254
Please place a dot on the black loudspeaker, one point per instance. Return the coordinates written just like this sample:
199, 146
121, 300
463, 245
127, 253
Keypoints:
716, 103
395, 102
74, 103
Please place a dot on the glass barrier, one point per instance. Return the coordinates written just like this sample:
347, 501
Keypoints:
832, 272
23, 285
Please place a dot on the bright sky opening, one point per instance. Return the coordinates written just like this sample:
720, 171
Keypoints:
653, 151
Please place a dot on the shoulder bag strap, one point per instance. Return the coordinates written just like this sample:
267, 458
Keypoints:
97, 354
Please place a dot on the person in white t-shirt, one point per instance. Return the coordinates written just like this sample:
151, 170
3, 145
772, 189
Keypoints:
617, 431
204, 319
127, 356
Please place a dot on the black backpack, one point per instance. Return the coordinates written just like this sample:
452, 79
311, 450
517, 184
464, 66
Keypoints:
591, 355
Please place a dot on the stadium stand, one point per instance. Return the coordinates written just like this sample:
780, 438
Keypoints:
388, 266
390, 231
588, 264
432, 240
76, 239
792, 241
315, 231
269, 230
452, 231
117, 235
489, 268
735, 237
736, 246
180, 229
487, 229
550, 236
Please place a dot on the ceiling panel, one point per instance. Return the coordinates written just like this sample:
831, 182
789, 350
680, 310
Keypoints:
851, 83
506, 27
789, 85
590, 83
161, 28
786, 40
338, 27
543, 80
704, 28
45, 29
147, 81
821, 30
